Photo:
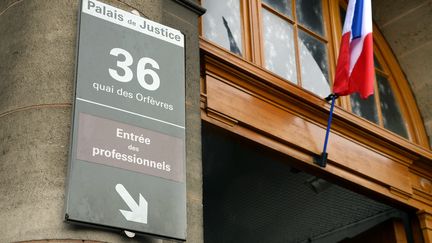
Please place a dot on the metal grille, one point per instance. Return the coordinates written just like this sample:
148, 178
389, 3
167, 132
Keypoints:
251, 195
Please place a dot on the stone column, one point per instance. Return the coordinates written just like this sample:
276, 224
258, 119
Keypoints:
37, 60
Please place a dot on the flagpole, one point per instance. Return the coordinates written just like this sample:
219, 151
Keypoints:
322, 160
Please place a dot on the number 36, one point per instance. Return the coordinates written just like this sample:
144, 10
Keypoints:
141, 71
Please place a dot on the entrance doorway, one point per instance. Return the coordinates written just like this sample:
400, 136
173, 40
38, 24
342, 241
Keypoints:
253, 194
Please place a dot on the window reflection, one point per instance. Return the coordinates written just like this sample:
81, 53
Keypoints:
365, 108
314, 65
283, 6
309, 14
221, 24
279, 46
392, 118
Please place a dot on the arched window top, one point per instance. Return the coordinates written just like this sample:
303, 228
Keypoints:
296, 42
392, 106
383, 107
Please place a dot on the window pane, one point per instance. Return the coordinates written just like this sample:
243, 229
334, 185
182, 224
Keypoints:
392, 117
365, 108
342, 13
279, 46
377, 64
309, 14
283, 6
314, 65
221, 24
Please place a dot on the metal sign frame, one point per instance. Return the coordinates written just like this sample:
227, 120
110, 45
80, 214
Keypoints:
127, 157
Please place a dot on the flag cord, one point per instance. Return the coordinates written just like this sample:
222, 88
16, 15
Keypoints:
322, 160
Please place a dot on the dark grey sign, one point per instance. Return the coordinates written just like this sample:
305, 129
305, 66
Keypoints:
127, 156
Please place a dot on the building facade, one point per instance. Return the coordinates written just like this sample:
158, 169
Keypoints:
266, 70
256, 76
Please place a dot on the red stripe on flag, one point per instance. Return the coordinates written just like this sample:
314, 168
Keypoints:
362, 76
340, 86
363, 73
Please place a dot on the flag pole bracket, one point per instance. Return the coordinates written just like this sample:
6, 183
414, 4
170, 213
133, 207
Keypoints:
330, 97
321, 160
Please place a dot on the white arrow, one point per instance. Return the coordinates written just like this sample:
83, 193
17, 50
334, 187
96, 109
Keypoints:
138, 212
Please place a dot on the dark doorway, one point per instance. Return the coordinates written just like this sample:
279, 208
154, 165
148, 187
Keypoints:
252, 194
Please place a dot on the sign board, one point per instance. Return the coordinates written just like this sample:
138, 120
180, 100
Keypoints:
127, 156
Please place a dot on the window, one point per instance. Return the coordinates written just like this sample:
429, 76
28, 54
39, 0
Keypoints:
387, 114
296, 42
222, 24
279, 50
381, 108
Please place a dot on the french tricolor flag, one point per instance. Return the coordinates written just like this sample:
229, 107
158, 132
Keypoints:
355, 67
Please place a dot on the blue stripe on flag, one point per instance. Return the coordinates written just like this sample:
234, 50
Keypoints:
357, 20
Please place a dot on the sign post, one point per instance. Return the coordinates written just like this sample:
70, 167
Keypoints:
127, 156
